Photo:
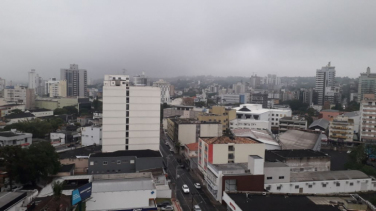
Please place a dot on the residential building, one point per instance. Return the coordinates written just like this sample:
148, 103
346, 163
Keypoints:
7, 109
131, 115
325, 78
41, 112
97, 115
30, 99
255, 82
367, 84
140, 80
76, 80
299, 160
260, 98
354, 97
13, 137
218, 114
18, 200
295, 122
306, 96
262, 136
368, 118
17, 117
91, 135
341, 129
329, 114
191, 150
253, 116
183, 111
164, 89
187, 131
36, 83
298, 139
172, 90
55, 88
320, 125
57, 102
224, 149
272, 81
355, 117
125, 161
15, 94
227, 99
239, 88
232, 177
57, 138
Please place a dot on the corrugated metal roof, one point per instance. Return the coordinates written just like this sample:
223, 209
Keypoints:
321, 123
327, 175
296, 139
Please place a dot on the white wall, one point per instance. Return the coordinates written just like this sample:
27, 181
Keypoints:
241, 152
187, 133
210, 130
91, 135
249, 124
56, 137
317, 186
43, 113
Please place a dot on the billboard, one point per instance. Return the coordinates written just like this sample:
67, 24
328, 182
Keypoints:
82, 193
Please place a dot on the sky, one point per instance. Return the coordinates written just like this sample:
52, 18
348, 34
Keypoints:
174, 38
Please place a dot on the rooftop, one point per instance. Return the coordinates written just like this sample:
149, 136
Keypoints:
229, 166
297, 119
9, 134
228, 140
83, 151
258, 135
192, 147
131, 184
39, 110
258, 202
8, 199
274, 164
329, 110
327, 175
297, 139
190, 121
20, 115
281, 155
124, 153
321, 123
352, 114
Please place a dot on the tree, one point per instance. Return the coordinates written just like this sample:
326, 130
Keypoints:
57, 188
71, 109
39, 128
97, 105
359, 157
338, 107
16, 111
353, 106
297, 105
60, 111
177, 146
200, 104
11, 157
311, 112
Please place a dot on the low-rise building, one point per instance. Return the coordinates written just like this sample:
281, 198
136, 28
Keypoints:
319, 125
355, 116
125, 161
18, 117
7, 109
299, 139
295, 122
218, 114
300, 159
91, 135
97, 115
57, 138
15, 138
187, 131
341, 129
41, 112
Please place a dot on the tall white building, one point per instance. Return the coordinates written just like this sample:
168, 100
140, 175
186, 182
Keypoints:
165, 90
325, 78
140, 80
15, 94
36, 82
2, 84
76, 81
131, 115
55, 88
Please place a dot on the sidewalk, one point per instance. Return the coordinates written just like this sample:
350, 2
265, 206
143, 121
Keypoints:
176, 205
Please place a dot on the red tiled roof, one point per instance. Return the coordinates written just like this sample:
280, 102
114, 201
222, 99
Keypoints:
192, 147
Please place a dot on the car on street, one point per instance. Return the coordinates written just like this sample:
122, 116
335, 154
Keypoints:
172, 150
197, 185
196, 208
185, 188
169, 208
164, 204
166, 143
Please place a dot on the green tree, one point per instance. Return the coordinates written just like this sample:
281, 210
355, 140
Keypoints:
177, 146
71, 109
296, 105
16, 111
353, 106
57, 188
338, 107
97, 105
12, 158
200, 104
311, 112
60, 111
39, 128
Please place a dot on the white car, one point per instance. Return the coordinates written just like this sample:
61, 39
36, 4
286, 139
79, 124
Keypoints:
185, 188
197, 185
166, 143
197, 208
168, 207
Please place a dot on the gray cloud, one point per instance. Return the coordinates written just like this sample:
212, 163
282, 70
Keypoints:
170, 38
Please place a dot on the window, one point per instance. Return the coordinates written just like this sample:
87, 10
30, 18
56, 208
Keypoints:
105, 162
281, 177
131, 161
296, 186
118, 162
323, 185
231, 148
269, 178
310, 186
230, 156
338, 184
279, 188
351, 184
230, 185
91, 163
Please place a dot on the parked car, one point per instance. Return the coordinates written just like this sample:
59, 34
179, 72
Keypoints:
166, 143
197, 185
185, 188
196, 208
164, 204
169, 208
172, 150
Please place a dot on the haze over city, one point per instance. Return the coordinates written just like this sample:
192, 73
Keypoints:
172, 38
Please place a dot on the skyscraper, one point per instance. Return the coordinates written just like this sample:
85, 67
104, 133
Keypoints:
367, 84
76, 81
36, 83
324, 80
131, 115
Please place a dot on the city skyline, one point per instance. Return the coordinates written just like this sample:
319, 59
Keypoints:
177, 38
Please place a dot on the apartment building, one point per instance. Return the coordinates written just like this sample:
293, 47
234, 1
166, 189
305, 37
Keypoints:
368, 118
55, 88
165, 90
76, 81
295, 122
341, 129
131, 115
15, 138
253, 116
91, 135
260, 98
187, 131
324, 78
367, 84
15, 94
218, 114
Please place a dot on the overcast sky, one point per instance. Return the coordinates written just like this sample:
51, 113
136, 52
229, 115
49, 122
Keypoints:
171, 38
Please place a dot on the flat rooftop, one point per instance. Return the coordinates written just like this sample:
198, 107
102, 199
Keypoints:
9, 134
327, 175
230, 166
277, 202
83, 151
133, 184
228, 140
274, 164
282, 155
124, 153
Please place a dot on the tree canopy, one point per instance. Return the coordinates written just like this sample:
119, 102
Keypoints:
39, 128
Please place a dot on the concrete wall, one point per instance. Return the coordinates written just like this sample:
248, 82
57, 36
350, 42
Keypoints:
148, 163
250, 124
43, 113
241, 152
46, 104
275, 173
81, 164
187, 134
210, 130
309, 164
91, 135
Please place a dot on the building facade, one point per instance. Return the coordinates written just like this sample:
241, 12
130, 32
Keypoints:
341, 129
325, 77
76, 80
91, 135
165, 90
368, 118
218, 114
55, 88
367, 84
295, 122
15, 94
14, 138
131, 115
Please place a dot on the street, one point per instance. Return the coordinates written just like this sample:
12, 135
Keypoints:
180, 176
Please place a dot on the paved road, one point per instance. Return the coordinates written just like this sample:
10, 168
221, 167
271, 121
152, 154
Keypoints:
184, 177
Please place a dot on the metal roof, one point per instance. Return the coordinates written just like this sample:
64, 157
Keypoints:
100, 186
327, 175
296, 139
321, 123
